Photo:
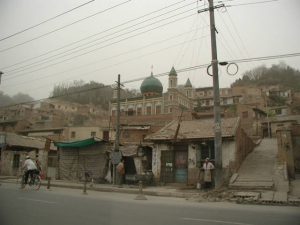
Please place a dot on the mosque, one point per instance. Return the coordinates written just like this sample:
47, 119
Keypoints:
153, 100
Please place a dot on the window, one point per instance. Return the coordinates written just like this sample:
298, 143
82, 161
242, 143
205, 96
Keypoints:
16, 161
171, 97
139, 111
245, 114
130, 112
207, 102
122, 112
148, 109
73, 134
52, 161
113, 112
93, 134
126, 135
158, 109
105, 135
170, 109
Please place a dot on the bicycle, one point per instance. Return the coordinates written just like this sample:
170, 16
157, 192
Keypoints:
35, 181
82, 175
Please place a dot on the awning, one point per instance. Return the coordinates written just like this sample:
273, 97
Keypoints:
80, 143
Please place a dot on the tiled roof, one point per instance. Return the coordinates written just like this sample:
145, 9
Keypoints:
196, 129
13, 139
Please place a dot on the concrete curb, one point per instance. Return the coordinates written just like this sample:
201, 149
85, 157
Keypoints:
79, 186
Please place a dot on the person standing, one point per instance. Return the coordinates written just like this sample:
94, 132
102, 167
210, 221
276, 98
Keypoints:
30, 169
207, 168
121, 172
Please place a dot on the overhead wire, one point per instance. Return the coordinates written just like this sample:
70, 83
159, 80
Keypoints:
251, 3
232, 37
125, 29
166, 73
89, 64
93, 35
43, 35
97, 70
100, 47
22, 31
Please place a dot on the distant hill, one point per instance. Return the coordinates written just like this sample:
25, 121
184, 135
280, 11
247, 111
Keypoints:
6, 100
279, 74
85, 93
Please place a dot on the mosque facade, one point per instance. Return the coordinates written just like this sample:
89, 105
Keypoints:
153, 100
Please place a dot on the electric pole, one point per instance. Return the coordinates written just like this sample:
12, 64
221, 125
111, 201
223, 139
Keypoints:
116, 154
216, 90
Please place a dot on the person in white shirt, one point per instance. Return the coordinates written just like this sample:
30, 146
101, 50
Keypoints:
207, 167
30, 169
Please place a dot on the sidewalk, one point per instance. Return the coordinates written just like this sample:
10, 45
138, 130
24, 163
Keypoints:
164, 191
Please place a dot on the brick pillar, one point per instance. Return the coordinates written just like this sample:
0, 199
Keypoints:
285, 150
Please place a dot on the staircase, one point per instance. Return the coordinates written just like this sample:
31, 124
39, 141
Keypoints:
258, 169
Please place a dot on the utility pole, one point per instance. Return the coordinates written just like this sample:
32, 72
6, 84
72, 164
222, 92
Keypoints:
116, 154
217, 114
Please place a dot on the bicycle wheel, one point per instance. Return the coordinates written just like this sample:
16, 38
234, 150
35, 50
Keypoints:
20, 181
36, 183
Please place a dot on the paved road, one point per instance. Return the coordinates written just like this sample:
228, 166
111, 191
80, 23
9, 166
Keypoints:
70, 207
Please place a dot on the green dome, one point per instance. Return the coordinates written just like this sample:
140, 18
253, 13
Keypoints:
151, 85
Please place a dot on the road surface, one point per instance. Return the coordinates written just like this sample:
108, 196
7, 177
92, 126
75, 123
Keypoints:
71, 207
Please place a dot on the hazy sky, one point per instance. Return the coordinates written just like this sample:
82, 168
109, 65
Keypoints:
101, 39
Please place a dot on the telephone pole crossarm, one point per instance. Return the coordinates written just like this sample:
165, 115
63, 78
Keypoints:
211, 8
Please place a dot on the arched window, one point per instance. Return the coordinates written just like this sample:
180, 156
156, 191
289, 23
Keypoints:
158, 108
122, 111
170, 109
139, 108
148, 109
171, 97
130, 110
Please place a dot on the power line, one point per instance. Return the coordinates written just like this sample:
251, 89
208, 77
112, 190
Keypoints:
13, 71
104, 67
92, 35
238, 35
76, 68
63, 27
166, 73
45, 21
252, 3
232, 37
95, 88
100, 47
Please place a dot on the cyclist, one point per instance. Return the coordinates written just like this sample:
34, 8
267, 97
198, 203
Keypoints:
30, 169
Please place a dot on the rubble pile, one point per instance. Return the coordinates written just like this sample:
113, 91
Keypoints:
214, 195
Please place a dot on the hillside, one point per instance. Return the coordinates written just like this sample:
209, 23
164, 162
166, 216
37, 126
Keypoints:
279, 74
